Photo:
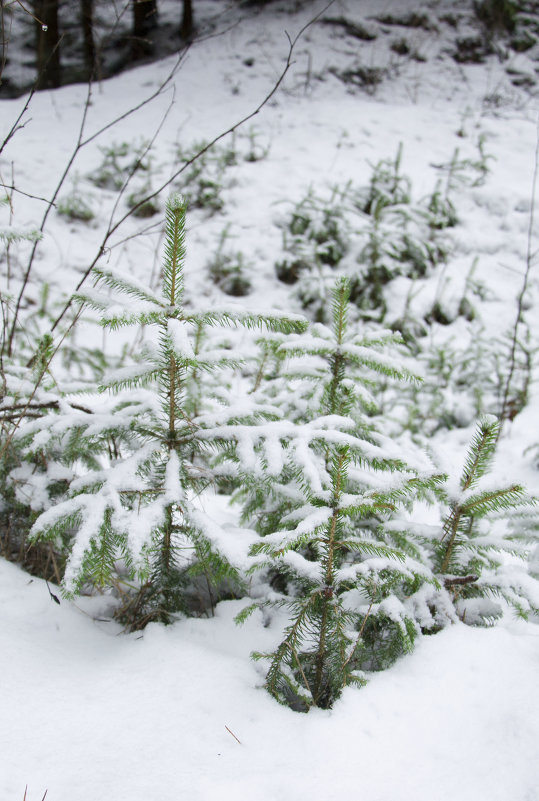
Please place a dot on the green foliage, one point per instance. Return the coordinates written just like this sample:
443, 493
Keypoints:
497, 15
466, 378
314, 235
387, 186
471, 556
205, 178
112, 485
470, 171
28, 483
337, 573
75, 208
255, 150
140, 206
371, 234
10, 235
228, 269
146, 450
120, 161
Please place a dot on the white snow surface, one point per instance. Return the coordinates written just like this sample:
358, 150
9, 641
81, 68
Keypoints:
89, 713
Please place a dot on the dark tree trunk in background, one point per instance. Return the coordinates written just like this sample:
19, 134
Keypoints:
87, 19
4, 35
144, 19
186, 28
47, 44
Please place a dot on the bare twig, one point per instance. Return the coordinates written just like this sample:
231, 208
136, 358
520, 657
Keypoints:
27, 11
233, 735
360, 634
300, 668
113, 226
52, 595
49, 405
44, 220
26, 790
520, 300
12, 188
459, 581
17, 125
144, 152
81, 143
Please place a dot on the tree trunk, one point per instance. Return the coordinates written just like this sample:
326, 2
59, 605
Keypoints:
47, 44
144, 19
87, 19
186, 28
4, 36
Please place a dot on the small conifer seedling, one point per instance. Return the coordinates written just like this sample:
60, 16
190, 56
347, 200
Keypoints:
137, 503
475, 559
349, 590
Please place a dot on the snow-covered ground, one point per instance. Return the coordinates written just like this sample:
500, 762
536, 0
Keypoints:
88, 712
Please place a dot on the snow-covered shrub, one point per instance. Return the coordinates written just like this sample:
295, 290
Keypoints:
120, 161
476, 559
356, 597
465, 378
137, 499
315, 234
25, 391
371, 234
75, 206
387, 186
229, 270
204, 180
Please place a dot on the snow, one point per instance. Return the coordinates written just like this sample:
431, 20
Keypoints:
179, 333
89, 712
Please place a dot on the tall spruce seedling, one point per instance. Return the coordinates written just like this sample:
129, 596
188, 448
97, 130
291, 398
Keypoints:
138, 502
349, 589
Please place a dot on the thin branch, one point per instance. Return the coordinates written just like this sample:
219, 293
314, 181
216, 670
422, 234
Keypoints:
300, 668
144, 152
26, 194
45, 217
113, 226
27, 11
50, 405
151, 228
233, 735
159, 91
360, 634
81, 143
16, 125
523, 291
459, 581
